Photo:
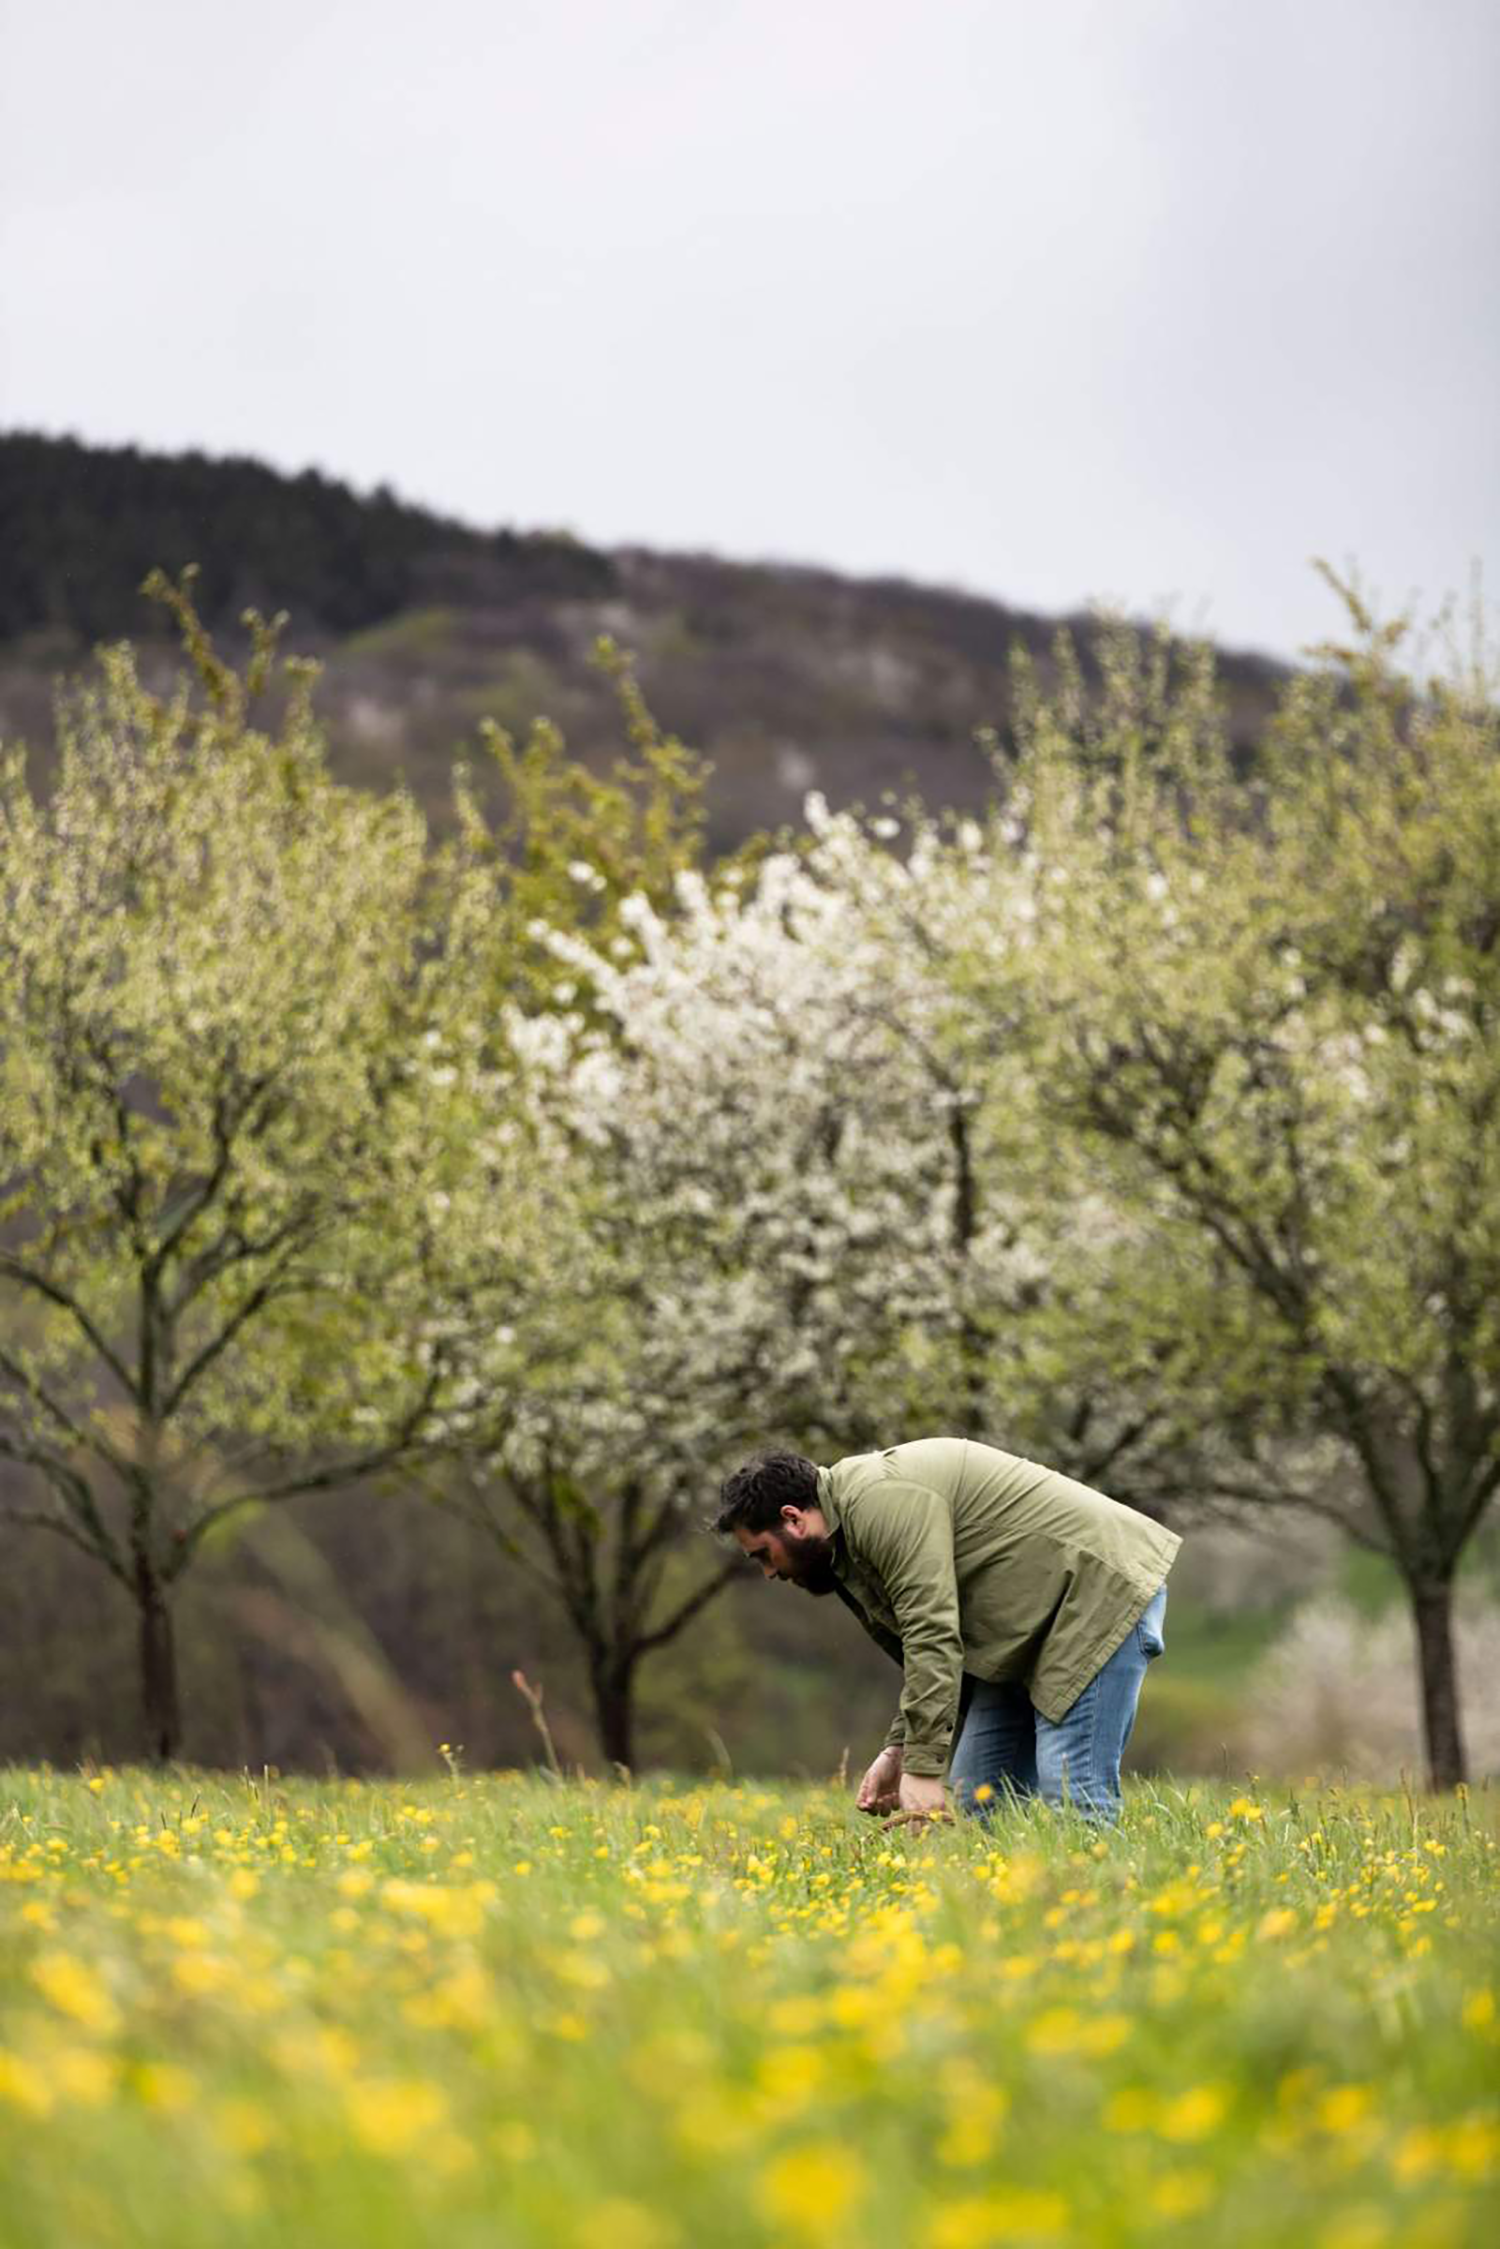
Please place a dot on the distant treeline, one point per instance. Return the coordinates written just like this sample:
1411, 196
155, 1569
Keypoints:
84, 524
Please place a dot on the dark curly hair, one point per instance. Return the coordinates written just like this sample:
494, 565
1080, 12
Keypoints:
752, 1497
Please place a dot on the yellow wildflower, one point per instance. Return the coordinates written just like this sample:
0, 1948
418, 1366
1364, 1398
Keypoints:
1473, 2146
813, 2189
199, 1973
976, 2111
1417, 2152
968, 2224
393, 2115
75, 1989
789, 2076
244, 2126
1009, 2214
23, 2086
712, 2122
1182, 2194
1194, 2115
619, 2224
1132, 2109
1363, 2227
83, 2074
163, 2085
1343, 2107
1479, 2010
795, 2017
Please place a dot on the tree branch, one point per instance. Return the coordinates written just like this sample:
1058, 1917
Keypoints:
34, 1519
574, 1591
1096, 1464
1261, 1495
245, 1311
1484, 1491
689, 1608
311, 1480
37, 1390
23, 1275
74, 1494
198, 1199
232, 1247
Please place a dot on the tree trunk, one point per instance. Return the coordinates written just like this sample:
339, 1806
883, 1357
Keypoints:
1432, 1605
614, 1711
974, 1347
158, 1667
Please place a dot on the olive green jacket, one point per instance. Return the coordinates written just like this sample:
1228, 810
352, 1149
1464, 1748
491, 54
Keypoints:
958, 1558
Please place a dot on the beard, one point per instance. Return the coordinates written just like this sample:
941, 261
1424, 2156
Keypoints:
810, 1565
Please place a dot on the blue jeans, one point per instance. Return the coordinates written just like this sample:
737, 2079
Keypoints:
1006, 1744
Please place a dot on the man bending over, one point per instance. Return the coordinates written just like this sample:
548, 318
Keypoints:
1022, 1607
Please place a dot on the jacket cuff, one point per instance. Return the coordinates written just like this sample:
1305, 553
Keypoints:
925, 1764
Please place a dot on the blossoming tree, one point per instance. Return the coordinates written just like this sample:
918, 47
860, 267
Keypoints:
237, 1128
792, 1221
1268, 1012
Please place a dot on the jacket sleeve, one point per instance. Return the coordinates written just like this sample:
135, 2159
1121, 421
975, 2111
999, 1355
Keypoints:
904, 1534
882, 1639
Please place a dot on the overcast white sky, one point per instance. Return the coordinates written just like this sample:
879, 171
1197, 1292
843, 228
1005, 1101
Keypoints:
1051, 299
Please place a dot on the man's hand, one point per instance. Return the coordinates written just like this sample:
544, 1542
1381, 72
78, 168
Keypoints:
921, 1797
878, 1789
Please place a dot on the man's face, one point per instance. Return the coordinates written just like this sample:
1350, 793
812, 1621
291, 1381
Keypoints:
799, 1551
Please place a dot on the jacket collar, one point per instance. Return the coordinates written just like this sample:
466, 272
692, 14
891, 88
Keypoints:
830, 1512
826, 1500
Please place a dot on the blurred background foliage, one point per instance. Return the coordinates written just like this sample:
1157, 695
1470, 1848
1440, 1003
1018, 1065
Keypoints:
357, 1631
765, 1682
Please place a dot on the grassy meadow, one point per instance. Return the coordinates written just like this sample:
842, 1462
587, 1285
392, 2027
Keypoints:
508, 2010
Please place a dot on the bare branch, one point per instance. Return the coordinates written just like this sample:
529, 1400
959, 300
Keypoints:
35, 1519
74, 1495
1099, 1463
1264, 1495
689, 1608
1484, 1491
573, 1587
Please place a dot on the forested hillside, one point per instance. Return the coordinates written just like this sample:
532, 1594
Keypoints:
785, 678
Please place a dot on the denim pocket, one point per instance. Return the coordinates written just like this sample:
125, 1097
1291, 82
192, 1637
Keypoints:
1148, 1630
